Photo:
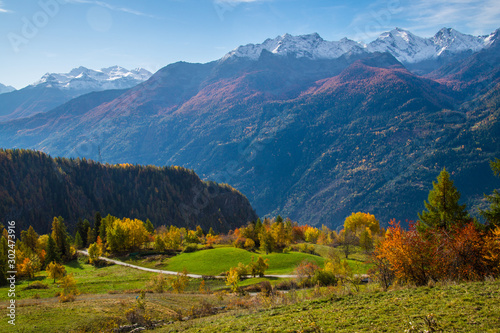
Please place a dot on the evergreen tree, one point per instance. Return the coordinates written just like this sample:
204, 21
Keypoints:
53, 253
30, 239
91, 237
97, 223
492, 215
211, 232
60, 236
78, 240
4, 251
149, 226
442, 208
83, 232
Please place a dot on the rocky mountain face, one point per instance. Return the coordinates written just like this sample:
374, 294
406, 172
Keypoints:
301, 134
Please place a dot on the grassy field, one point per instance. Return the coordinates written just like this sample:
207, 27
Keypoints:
96, 313
216, 261
108, 292
90, 280
469, 307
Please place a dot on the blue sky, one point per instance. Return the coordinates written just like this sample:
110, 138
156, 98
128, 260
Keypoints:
39, 36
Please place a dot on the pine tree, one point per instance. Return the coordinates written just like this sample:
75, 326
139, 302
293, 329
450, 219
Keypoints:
442, 208
30, 238
53, 253
60, 236
492, 215
97, 223
78, 240
90, 236
149, 226
4, 249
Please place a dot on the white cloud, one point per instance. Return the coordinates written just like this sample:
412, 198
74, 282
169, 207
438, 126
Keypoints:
111, 7
3, 10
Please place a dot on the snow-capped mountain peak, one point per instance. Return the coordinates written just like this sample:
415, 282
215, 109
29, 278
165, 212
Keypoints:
448, 39
86, 80
310, 46
402, 44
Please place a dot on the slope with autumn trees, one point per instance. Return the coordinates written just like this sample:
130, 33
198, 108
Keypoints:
35, 187
313, 140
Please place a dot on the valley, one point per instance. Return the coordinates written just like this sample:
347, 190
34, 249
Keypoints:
293, 185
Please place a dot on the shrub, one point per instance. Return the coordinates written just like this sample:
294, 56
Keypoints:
157, 283
70, 290
37, 285
190, 247
458, 253
305, 271
178, 282
287, 285
258, 267
249, 244
324, 278
239, 242
265, 288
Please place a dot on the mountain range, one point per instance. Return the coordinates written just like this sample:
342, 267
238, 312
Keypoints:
305, 128
55, 89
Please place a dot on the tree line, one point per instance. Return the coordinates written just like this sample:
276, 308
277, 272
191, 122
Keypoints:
35, 187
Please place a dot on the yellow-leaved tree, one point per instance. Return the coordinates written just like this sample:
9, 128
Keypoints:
126, 235
55, 271
358, 222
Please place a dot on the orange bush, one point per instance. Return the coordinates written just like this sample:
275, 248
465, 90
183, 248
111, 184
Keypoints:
462, 253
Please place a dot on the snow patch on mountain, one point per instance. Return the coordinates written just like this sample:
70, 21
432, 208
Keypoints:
402, 44
84, 79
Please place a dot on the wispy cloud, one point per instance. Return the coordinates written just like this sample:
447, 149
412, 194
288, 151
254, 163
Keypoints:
425, 17
477, 15
111, 7
2, 9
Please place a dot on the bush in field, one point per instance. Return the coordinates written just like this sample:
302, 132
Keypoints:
258, 267
157, 283
178, 282
232, 279
70, 290
305, 272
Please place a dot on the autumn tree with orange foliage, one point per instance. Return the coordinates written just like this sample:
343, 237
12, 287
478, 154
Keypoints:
459, 254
